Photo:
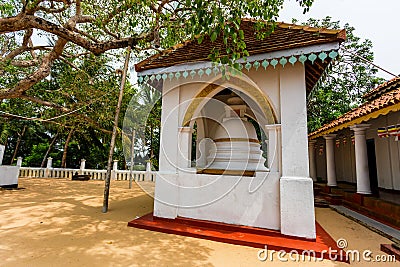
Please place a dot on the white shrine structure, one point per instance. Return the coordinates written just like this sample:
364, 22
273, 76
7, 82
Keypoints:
247, 129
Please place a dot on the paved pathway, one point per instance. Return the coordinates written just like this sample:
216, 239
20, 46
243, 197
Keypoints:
372, 224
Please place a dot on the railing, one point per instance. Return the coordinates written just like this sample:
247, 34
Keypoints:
31, 172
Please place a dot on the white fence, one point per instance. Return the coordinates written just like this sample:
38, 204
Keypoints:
30, 172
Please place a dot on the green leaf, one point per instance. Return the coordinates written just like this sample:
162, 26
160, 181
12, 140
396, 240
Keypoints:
214, 36
200, 39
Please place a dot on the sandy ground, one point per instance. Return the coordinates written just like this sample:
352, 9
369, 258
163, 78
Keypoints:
59, 223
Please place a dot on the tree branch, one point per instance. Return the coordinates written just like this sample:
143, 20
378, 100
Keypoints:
33, 78
25, 63
22, 22
44, 103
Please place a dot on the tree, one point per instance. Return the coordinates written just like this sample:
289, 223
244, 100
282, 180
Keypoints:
114, 133
88, 90
346, 81
83, 27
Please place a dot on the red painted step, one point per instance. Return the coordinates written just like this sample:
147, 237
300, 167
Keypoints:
243, 235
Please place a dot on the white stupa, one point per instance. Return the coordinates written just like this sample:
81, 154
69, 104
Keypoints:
237, 147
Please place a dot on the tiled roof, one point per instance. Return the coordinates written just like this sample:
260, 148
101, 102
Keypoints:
285, 36
381, 89
387, 102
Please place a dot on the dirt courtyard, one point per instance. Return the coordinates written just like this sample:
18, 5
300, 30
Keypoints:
58, 222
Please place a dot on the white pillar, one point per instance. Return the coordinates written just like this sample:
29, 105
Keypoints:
148, 166
166, 189
147, 175
48, 167
362, 170
169, 128
330, 159
2, 150
83, 164
201, 145
114, 170
201, 161
294, 122
311, 155
82, 167
296, 186
49, 162
19, 161
274, 147
184, 148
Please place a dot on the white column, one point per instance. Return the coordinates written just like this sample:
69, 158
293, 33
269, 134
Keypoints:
311, 155
294, 122
82, 167
48, 167
184, 148
166, 189
201, 145
201, 161
147, 175
2, 149
49, 162
19, 161
83, 163
169, 128
274, 147
114, 170
330, 159
362, 170
296, 186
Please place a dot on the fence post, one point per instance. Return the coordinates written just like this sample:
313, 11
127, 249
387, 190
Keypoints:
147, 175
19, 161
82, 168
2, 149
114, 170
48, 167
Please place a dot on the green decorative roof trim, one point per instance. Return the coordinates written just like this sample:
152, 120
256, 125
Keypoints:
248, 66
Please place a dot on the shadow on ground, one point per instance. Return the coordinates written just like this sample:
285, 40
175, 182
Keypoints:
60, 223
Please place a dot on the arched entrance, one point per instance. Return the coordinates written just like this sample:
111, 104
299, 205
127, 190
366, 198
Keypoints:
228, 136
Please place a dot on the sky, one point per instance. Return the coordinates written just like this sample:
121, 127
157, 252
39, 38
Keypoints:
372, 19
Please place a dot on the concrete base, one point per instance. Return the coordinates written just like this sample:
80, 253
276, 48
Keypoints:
265, 201
251, 201
166, 195
9, 176
297, 207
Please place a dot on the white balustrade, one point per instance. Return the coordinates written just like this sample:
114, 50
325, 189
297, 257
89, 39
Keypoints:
120, 175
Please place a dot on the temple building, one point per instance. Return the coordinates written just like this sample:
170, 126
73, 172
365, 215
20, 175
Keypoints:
360, 152
234, 146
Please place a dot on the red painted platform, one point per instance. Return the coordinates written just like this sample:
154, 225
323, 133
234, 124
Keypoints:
243, 235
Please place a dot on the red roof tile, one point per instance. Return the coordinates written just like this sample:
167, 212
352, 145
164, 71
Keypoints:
381, 89
285, 36
385, 102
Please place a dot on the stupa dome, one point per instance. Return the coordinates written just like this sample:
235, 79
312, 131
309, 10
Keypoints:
236, 128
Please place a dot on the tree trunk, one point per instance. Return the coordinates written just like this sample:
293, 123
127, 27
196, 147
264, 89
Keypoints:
64, 156
17, 145
151, 141
114, 134
133, 134
48, 150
